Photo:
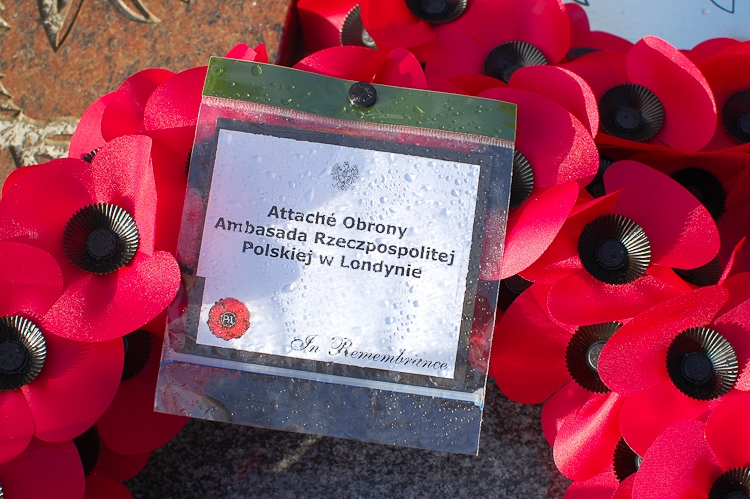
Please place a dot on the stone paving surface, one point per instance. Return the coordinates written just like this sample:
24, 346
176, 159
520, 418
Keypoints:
217, 460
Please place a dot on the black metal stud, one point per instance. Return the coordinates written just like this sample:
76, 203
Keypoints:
362, 94
735, 115
436, 11
614, 249
582, 354
523, 180
22, 352
702, 364
631, 112
100, 238
506, 58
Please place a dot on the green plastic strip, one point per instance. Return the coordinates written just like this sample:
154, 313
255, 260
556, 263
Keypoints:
324, 96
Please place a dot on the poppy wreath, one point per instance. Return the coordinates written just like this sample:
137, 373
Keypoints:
624, 301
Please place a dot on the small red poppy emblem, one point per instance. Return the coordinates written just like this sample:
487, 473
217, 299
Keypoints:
228, 319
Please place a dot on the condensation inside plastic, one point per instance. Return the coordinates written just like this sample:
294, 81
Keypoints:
327, 398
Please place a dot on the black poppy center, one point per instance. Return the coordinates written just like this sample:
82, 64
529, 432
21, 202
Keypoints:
702, 364
631, 112
138, 349
102, 243
625, 461
436, 11
89, 447
13, 357
583, 351
353, 31
510, 288
612, 254
577, 52
22, 352
596, 186
100, 238
228, 319
508, 57
705, 275
614, 249
628, 118
732, 484
735, 116
705, 186
522, 182
697, 368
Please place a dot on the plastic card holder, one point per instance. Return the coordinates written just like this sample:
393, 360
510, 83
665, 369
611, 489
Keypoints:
332, 242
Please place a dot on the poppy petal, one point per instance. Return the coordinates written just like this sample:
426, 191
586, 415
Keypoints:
532, 227
585, 442
390, 23
625, 490
679, 464
88, 134
562, 86
634, 358
556, 144
130, 425
740, 193
601, 40
706, 49
171, 182
16, 425
349, 63
100, 485
121, 467
59, 466
728, 434
683, 91
124, 112
560, 407
456, 53
581, 299
646, 414
100, 308
171, 113
121, 173
30, 280
76, 385
733, 322
672, 226
601, 70
733, 226
601, 486
244, 52
401, 69
579, 21
528, 352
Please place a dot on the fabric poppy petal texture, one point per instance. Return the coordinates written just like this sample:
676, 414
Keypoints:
391, 24
57, 464
30, 280
99, 485
560, 407
601, 486
729, 435
16, 425
87, 137
322, 21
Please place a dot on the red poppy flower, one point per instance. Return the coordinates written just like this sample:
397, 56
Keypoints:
707, 49
602, 486
679, 359
44, 471
734, 226
584, 41
164, 106
555, 156
104, 215
693, 459
535, 358
46, 385
613, 257
130, 426
495, 38
727, 75
411, 24
650, 97
397, 67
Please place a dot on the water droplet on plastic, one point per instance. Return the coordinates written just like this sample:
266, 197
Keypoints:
270, 175
390, 320
289, 287
705, 12
255, 159
310, 195
291, 185
418, 110
415, 303
286, 102
383, 199
256, 70
455, 193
